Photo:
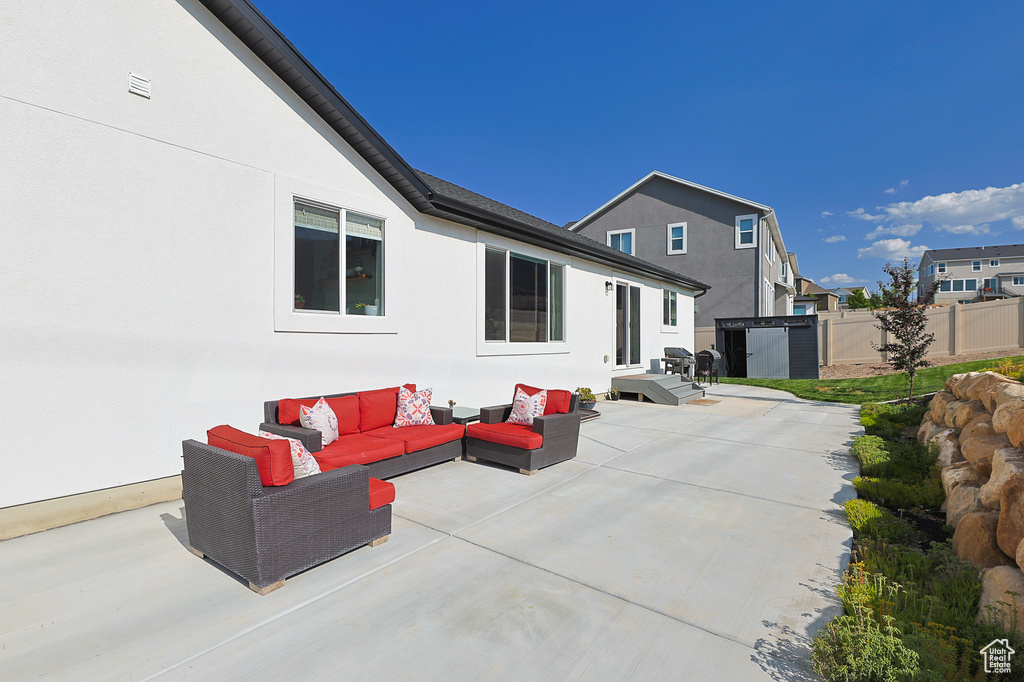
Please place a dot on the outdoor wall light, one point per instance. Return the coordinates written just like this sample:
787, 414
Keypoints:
608, 286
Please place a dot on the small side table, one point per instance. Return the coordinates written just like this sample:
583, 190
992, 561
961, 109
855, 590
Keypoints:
465, 415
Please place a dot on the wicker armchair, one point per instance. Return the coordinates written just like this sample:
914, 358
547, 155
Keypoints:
559, 434
266, 534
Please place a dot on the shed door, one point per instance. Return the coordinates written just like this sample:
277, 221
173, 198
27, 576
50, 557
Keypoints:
768, 353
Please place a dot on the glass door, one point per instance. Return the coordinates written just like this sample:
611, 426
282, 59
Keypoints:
627, 325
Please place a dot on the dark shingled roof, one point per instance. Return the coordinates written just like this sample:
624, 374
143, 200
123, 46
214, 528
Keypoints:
445, 194
977, 252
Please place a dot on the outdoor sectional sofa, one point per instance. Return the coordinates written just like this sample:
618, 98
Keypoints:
552, 438
242, 513
366, 435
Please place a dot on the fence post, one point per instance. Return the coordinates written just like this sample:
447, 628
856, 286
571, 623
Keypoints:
828, 341
957, 329
1020, 320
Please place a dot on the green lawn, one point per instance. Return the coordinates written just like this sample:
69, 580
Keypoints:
870, 389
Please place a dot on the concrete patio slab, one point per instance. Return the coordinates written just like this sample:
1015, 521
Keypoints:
701, 546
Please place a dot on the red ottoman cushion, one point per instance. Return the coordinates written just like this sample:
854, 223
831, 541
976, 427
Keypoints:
381, 493
273, 457
514, 435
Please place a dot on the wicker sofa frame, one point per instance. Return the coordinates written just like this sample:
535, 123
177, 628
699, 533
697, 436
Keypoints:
561, 434
385, 468
265, 535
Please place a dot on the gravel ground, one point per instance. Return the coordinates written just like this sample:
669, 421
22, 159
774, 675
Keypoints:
878, 369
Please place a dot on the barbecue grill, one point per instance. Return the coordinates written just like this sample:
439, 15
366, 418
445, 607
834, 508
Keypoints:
709, 363
679, 361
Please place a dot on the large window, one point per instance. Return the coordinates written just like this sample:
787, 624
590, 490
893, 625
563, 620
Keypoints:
745, 238
319, 261
1018, 281
959, 285
622, 240
677, 238
524, 298
669, 303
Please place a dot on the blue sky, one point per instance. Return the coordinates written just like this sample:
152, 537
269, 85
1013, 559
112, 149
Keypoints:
875, 129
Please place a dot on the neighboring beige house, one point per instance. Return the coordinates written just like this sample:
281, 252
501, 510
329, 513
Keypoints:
811, 298
973, 274
843, 294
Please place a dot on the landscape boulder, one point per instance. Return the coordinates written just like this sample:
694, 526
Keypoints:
1016, 431
960, 474
949, 449
929, 430
964, 500
980, 449
996, 607
1007, 392
983, 388
1010, 531
982, 426
968, 412
1007, 463
1007, 414
975, 541
949, 419
954, 382
938, 406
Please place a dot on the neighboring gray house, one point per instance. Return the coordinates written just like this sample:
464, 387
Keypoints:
730, 243
978, 273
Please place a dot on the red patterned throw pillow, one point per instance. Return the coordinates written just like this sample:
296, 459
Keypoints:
526, 407
413, 408
320, 418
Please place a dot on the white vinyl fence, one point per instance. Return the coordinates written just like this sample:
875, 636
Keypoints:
849, 336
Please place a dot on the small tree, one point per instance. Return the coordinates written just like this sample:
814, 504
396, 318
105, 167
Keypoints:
857, 299
904, 321
875, 301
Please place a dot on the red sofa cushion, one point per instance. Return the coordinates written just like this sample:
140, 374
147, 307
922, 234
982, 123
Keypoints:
273, 457
558, 400
346, 408
514, 435
418, 438
377, 408
357, 448
381, 493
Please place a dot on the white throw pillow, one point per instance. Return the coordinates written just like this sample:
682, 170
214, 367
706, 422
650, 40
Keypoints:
302, 459
526, 407
320, 418
413, 408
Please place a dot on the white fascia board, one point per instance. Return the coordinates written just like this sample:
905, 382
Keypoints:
665, 176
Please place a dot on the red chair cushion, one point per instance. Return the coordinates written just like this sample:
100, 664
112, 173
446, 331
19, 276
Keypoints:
514, 435
558, 400
273, 457
357, 448
418, 438
346, 408
377, 408
381, 493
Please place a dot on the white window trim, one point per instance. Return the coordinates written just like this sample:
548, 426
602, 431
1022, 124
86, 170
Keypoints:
754, 223
1017, 281
769, 244
632, 241
941, 267
993, 263
769, 299
976, 269
616, 281
287, 191
668, 231
931, 269
493, 348
668, 328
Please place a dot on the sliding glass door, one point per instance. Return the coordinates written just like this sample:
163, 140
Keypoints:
627, 325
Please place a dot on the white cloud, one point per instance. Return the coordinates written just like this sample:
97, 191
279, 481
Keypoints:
839, 278
825, 214
894, 230
834, 238
1018, 222
964, 212
864, 215
891, 190
965, 229
892, 250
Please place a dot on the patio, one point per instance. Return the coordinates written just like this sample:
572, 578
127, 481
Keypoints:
692, 542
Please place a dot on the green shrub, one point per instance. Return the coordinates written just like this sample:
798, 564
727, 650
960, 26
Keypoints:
856, 649
896, 493
889, 421
867, 520
943, 654
907, 461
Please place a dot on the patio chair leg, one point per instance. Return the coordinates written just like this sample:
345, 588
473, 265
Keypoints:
263, 591
379, 541
528, 472
470, 458
197, 552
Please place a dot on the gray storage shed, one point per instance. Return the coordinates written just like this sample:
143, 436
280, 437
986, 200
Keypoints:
783, 347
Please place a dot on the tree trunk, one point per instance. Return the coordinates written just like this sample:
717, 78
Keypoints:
911, 396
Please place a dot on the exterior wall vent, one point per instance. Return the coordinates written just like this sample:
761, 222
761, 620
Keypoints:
139, 85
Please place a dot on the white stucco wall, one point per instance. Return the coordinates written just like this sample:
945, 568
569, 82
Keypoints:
142, 271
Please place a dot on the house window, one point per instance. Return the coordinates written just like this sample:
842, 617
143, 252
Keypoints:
319, 261
668, 316
959, 285
993, 264
524, 298
1018, 281
769, 307
942, 267
745, 231
976, 266
677, 238
785, 272
769, 247
931, 269
990, 283
622, 240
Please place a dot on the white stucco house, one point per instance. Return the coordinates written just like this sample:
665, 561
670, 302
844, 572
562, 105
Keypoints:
195, 221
